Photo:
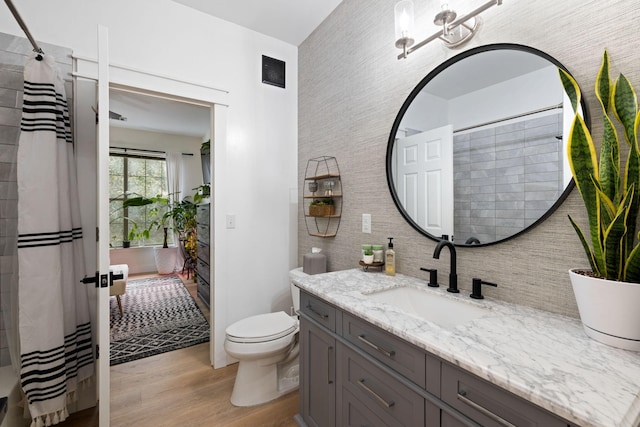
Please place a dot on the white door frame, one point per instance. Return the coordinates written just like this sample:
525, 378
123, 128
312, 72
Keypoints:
108, 76
102, 168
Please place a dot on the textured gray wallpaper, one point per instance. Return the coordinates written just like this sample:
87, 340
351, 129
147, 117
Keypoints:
351, 87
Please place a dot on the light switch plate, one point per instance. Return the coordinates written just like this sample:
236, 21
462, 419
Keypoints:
231, 221
366, 223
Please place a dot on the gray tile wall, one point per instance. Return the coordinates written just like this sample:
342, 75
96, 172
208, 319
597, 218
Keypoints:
14, 52
351, 87
506, 177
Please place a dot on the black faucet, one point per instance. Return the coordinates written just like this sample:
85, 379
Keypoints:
476, 289
433, 277
453, 277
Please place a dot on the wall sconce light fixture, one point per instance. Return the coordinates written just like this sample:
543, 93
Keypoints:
455, 32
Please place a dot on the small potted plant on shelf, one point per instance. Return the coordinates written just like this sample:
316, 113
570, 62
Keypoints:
368, 256
321, 207
608, 294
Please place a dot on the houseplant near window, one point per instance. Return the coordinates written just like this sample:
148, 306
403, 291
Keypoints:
183, 215
160, 210
609, 294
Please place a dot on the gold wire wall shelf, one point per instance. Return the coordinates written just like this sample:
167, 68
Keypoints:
322, 196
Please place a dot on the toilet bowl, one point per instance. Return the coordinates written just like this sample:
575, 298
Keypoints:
266, 347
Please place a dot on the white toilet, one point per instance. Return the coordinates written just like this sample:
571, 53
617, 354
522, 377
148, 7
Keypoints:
266, 346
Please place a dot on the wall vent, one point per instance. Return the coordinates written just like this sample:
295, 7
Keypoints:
273, 71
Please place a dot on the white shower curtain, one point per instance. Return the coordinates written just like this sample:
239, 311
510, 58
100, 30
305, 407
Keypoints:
56, 350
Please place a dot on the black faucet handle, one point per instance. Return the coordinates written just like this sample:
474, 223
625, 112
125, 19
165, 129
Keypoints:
476, 288
433, 277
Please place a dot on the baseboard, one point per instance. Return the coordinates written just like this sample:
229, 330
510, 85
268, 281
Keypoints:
298, 419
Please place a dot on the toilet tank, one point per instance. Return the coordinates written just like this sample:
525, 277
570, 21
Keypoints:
295, 291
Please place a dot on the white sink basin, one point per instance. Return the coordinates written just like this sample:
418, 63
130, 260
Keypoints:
443, 311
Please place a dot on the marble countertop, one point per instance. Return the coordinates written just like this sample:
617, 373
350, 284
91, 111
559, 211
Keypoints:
543, 357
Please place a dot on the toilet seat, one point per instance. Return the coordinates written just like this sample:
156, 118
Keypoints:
262, 328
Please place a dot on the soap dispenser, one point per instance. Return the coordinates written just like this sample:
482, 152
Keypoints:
390, 259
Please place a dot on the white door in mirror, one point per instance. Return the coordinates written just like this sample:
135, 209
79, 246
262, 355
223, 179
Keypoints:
425, 179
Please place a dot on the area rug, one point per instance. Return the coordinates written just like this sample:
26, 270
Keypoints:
159, 316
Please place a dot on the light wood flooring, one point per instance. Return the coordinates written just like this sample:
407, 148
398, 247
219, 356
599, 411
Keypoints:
180, 388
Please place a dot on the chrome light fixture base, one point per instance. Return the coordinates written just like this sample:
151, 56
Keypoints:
462, 33
445, 17
455, 31
404, 42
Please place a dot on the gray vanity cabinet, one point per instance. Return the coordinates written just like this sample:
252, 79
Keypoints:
318, 385
357, 374
318, 350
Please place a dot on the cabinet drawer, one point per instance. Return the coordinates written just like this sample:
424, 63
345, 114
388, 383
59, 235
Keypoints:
318, 310
448, 420
356, 414
399, 355
203, 283
380, 392
203, 271
203, 233
204, 291
203, 251
490, 405
202, 213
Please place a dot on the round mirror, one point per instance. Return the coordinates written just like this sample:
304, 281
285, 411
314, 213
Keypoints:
476, 152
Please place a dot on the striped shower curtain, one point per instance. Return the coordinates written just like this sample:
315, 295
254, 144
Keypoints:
56, 350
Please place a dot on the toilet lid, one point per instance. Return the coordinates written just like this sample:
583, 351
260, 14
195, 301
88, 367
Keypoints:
263, 327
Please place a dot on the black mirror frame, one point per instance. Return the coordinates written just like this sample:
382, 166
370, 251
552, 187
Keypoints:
405, 106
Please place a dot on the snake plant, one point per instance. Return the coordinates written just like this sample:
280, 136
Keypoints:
611, 192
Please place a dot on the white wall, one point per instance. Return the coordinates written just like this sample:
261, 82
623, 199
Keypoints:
520, 95
256, 166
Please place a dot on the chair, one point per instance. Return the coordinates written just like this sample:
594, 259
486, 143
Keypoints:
119, 286
189, 264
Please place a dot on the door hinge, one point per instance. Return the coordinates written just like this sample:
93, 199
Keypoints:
97, 234
97, 351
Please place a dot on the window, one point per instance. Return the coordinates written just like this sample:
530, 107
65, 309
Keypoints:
134, 176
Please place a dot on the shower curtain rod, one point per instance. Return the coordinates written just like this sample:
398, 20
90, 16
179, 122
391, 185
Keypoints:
517, 116
26, 31
142, 150
125, 149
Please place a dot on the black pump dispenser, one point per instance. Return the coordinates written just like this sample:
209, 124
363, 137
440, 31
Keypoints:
390, 242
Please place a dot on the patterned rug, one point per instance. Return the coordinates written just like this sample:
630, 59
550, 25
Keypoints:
159, 316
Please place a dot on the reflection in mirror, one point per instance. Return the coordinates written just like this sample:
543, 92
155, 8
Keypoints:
477, 150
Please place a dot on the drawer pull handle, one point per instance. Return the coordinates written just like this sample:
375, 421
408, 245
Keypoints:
462, 397
316, 312
375, 395
388, 353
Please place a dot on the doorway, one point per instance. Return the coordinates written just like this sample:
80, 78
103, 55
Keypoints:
86, 130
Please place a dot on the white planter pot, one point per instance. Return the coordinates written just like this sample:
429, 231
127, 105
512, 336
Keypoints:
608, 310
166, 260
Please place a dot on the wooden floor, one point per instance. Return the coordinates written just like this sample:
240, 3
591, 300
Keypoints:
180, 388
